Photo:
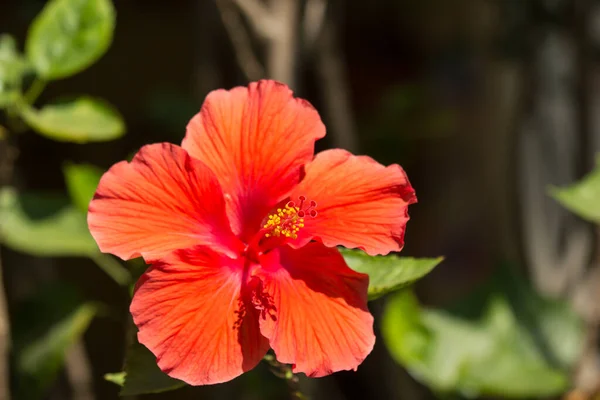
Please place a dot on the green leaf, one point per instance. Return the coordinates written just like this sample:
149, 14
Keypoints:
12, 69
43, 224
142, 375
69, 35
45, 328
118, 378
82, 120
389, 273
583, 197
503, 341
82, 181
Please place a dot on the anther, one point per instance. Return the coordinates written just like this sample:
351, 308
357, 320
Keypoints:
287, 221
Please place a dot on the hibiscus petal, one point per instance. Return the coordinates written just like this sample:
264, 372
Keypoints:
319, 319
360, 203
255, 139
163, 200
191, 315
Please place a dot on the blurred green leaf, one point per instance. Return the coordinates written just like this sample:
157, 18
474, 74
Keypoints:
43, 224
389, 273
12, 68
82, 181
69, 35
82, 120
583, 197
45, 328
142, 375
118, 378
502, 341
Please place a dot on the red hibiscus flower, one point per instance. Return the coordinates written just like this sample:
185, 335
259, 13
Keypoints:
240, 225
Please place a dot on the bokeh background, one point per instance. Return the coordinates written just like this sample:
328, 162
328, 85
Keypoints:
485, 103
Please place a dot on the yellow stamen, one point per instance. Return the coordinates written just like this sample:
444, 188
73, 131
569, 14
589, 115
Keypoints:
284, 222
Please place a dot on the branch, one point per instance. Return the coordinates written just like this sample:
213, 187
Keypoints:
260, 17
79, 372
553, 270
282, 44
240, 40
277, 26
549, 155
314, 17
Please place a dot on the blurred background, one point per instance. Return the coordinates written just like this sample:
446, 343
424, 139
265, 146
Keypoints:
487, 104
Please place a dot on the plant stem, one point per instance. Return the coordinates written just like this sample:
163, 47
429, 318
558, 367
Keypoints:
281, 59
113, 268
284, 371
240, 39
34, 91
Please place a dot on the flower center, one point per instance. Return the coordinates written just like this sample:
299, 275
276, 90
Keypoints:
287, 221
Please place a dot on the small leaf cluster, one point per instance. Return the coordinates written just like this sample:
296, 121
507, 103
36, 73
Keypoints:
67, 37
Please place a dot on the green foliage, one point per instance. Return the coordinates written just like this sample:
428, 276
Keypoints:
69, 36
65, 38
46, 326
503, 341
141, 374
12, 69
43, 224
389, 273
82, 120
82, 181
583, 197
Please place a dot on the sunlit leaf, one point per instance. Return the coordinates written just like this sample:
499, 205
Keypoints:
389, 273
82, 120
45, 328
503, 341
142, 375
69, 35
43, 224
82, 181
583, 197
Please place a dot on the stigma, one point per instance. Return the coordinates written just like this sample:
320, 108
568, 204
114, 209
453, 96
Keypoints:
287, 221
